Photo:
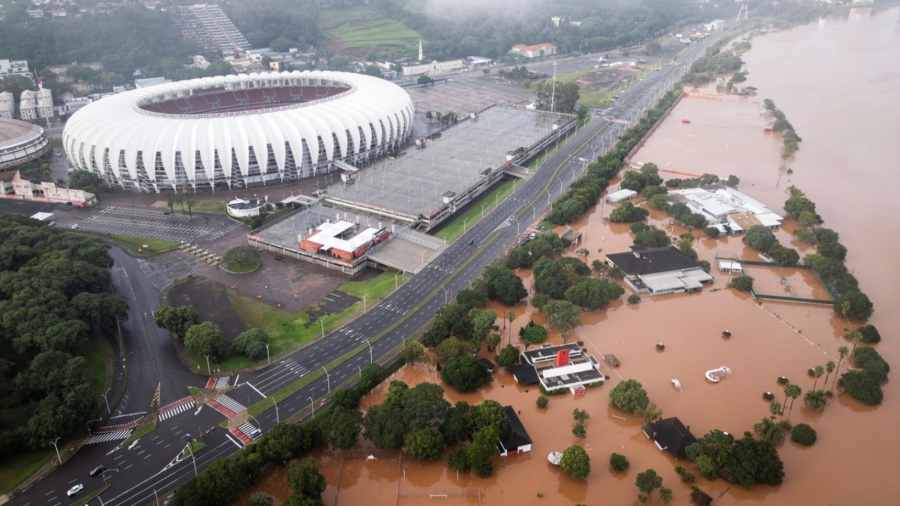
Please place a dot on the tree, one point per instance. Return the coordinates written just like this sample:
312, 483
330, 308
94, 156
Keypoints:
176, 319
482, 449
803, 434
843, 351
575, 463
424, 444
252, 343
413, 351
562, 315
503, 285
565, 98
742, 283
760, 238
465, 373
542, 402
817, 373
305, 479
816, 399
260, 499
508, 356
791, 392
532, 333
863, 386
205, 339
869, 360
745, 461
482, 323
343, 427
618, 463
686, 476
853, 305
493, 341
629, 396
647, 482
84, 180
452, 348
829, 368
593, 293
771, 431
665, 494
628, 213
869, 334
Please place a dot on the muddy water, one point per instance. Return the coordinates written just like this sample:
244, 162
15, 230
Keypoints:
839, 84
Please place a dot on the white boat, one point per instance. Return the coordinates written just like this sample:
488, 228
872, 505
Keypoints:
676, 384
716, 375
554, 458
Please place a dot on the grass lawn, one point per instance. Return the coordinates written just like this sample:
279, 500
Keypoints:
454, 228
136, 245
212, 206
16, 469
289, 330
366, 28
242, 259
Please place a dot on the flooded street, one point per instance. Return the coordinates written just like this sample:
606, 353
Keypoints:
847, 164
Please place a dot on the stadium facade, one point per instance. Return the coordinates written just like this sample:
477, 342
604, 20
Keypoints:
238, 130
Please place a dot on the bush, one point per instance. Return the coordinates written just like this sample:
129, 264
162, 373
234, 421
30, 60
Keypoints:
869, 360
628, 213
743, 283
260, 499
542, 401
618, 463
242, 259
508, 356
686, 476
634, 298
803, 434
711, 232
869, 334
251, 343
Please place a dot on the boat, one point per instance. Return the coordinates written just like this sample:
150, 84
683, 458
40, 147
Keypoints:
676, 384
685, 121
716, 375
554, 458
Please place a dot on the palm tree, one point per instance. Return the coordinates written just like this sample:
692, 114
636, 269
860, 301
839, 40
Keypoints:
829, 368
843, 351
792, 391
818, 371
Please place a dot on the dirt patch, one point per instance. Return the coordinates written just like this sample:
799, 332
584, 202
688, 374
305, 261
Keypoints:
210, 299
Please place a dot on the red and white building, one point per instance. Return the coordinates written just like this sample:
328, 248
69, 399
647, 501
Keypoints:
342, 239
535, 50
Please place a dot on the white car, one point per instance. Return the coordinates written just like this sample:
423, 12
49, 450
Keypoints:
75, 490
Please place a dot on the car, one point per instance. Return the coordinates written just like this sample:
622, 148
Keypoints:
97, 470
72, 492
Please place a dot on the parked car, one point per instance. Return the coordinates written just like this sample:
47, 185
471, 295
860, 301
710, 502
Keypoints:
72, 492
97, 470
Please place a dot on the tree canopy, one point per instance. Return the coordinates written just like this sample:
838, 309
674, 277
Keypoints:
744, 461
629, 396
575, 463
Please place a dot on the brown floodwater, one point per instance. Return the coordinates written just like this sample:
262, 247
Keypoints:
838, 81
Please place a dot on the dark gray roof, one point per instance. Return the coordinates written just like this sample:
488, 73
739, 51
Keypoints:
642, 261
672, 435
525, 374
514, 434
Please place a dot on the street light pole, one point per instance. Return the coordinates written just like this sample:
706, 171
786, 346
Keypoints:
322, 325
194, 460
371, 355
277, 417
155, 496
312, 405
268, 357
106, 398
327, 378
208, 368
55, 447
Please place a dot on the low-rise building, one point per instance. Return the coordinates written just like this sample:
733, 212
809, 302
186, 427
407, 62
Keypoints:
727, 209
659, 270
534, 50
434, 68
566, 366
620, 195
34, 105
341, 239
241, 208
14, 68
15, 187
514, 440
670, 435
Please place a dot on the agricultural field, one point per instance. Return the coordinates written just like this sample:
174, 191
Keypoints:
363, 30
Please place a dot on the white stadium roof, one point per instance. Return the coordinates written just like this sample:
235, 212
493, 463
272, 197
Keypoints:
118, 128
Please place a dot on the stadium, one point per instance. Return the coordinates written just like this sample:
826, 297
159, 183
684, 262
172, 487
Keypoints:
238, 130
20, 142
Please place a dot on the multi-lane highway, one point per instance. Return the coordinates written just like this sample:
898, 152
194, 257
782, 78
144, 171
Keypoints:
375, 334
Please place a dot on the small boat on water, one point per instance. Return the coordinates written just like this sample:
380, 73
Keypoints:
676, 384
685, 121
716, 375
554, 458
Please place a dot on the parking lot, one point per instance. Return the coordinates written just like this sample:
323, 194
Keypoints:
468, 93
156, 224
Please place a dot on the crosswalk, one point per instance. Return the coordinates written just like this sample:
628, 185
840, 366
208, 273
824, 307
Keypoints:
106, 437
227, 406
246, 433
176, 408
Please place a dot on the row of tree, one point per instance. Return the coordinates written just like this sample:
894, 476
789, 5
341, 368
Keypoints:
56, 302
785, 128
205, 339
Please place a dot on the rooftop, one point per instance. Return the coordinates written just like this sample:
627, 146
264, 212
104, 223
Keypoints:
514, 434
544, 354
670, 435
643, 261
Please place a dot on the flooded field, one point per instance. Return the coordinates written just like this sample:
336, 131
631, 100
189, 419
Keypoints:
847, 162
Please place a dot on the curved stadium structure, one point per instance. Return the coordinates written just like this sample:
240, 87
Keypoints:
238, 130
20, 142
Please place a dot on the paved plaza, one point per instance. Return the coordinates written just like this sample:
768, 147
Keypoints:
156, 224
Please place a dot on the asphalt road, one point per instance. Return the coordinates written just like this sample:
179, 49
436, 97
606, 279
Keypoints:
377, 333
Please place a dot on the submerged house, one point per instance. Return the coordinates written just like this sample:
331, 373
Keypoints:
670, 435
514, 439
659, 270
